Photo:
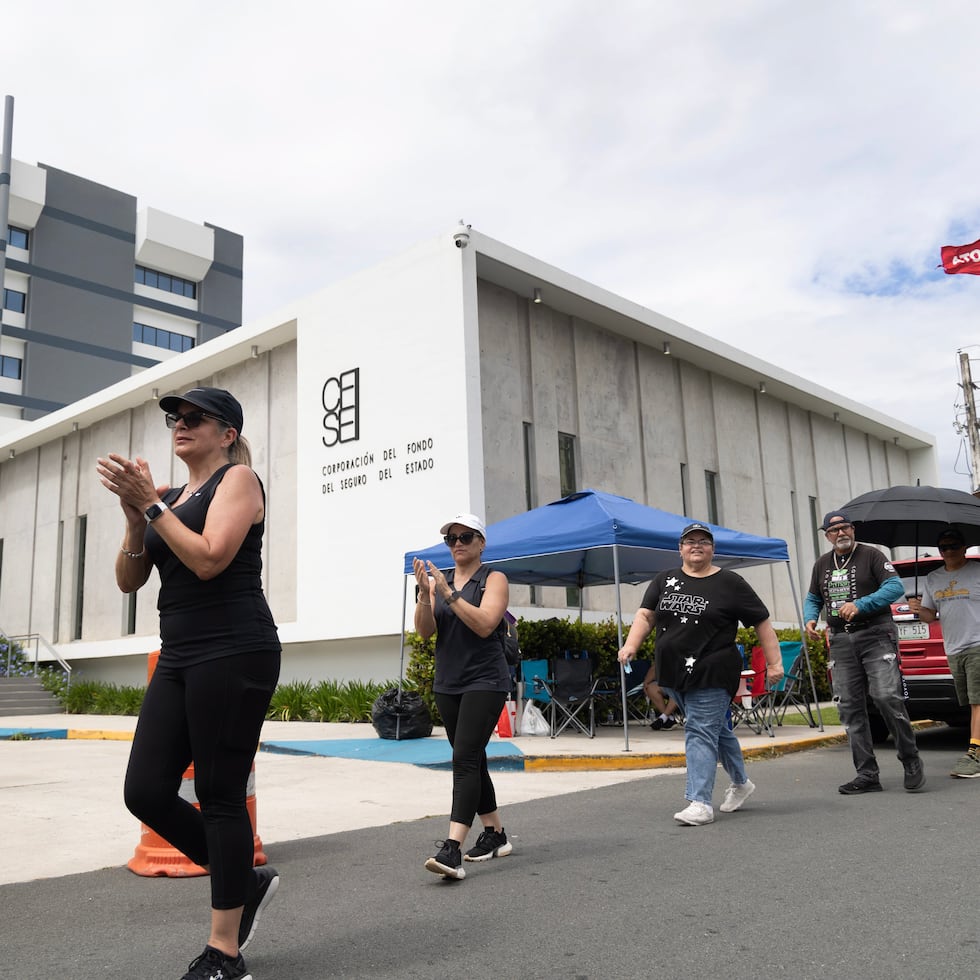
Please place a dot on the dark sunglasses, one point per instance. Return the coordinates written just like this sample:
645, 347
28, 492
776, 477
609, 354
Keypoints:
191, 420
951, 546
465, 538
838, 528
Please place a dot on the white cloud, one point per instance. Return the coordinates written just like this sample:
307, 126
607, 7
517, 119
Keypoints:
778, 176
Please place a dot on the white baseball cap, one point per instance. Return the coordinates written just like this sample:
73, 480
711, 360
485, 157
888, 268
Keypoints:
471, 521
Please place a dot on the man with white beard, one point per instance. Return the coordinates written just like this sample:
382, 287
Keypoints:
856, 585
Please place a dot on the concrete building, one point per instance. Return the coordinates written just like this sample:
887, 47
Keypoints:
97, 288
447, 379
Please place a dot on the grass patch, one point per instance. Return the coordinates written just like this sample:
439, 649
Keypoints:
828, 714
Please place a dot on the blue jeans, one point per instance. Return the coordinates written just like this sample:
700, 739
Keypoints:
708, 740
863, 664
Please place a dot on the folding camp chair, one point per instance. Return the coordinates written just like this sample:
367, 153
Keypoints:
792, 691
609, 696
572, 691
534, 677
753, 702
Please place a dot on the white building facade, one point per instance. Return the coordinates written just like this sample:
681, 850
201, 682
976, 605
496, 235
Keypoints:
448, 379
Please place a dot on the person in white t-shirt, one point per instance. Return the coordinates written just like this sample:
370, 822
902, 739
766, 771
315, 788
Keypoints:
952, 594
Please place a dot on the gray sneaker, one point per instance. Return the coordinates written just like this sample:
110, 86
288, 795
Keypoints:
736, 795
968, 767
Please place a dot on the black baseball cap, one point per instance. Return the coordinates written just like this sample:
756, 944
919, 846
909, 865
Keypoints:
215, 401
696, 526
951, 534
834, 518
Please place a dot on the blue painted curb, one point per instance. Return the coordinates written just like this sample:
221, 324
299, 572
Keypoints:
33, 733
431, 753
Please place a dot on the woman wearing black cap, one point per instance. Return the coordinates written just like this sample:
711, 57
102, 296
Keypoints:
695, 610
219, 657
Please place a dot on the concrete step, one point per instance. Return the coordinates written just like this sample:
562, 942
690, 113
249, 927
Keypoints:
26, 696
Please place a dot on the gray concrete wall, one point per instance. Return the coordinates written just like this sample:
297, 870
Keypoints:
84, 238
45, 491
220, 293
637, 415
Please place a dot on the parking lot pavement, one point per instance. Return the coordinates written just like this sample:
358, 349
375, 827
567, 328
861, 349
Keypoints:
61, 795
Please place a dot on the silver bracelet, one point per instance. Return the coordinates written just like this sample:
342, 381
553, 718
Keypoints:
133, 554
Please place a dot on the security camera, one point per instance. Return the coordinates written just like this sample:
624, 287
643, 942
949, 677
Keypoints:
462, 235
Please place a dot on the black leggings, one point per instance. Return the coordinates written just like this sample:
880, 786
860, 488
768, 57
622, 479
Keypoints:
469, 719
210, 714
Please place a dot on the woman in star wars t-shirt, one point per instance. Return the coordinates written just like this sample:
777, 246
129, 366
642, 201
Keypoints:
696, 610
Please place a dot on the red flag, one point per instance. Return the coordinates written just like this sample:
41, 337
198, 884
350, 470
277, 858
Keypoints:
962, 258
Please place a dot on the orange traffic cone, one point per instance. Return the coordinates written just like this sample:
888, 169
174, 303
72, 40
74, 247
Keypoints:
156, 857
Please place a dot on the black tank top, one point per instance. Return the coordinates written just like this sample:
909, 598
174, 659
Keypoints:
466, 661
205, 620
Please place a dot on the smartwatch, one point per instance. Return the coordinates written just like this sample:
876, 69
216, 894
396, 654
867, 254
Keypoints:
452, 598
154, 511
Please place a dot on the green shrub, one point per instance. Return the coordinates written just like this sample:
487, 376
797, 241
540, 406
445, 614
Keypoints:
291, 701
421, 670
547, 638
12, 660
99, 698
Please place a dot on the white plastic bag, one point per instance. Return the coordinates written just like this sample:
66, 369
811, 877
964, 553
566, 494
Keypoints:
533, 722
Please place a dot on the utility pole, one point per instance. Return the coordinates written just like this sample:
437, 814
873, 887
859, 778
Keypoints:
972, 426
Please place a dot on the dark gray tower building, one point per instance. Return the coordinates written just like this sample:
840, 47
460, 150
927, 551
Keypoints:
97, 288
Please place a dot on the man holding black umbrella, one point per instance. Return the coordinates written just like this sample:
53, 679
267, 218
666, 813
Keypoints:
856, 585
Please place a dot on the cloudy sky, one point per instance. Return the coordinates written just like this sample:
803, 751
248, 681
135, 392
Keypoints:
778, 175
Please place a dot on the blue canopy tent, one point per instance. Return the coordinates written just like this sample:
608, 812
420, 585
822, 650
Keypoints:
595, 538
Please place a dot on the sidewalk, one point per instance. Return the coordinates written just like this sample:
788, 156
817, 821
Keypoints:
611, 749
61, 791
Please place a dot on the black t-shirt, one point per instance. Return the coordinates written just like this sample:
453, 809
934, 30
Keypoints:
863, 572
696, 621
466, 661
228, 614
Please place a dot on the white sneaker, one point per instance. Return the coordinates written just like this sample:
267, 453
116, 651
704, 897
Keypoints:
736, 795
696, 814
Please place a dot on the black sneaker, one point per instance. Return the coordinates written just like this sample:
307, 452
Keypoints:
490, 844
657, 724
448, 862
669, 723
265, 881
860, 784
915, 776
212, 964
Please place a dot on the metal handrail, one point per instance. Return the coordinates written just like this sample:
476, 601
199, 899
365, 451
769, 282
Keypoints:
36, 640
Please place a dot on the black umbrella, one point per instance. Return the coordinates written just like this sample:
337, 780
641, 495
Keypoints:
913, 516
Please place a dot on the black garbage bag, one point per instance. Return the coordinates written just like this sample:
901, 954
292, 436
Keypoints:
400, 716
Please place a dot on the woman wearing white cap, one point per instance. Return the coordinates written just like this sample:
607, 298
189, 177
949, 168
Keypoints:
464, 609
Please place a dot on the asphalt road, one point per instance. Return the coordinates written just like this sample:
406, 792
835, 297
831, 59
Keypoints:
802, 882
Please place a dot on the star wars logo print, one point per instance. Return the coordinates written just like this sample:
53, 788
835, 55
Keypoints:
681, 603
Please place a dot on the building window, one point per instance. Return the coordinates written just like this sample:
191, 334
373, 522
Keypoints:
683, 488
711, 494
568, 484
131, 614
158, 337
566, 464
815, 524
17, 237
166, 282
14, 301
76, 631
529, 487
11, 367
